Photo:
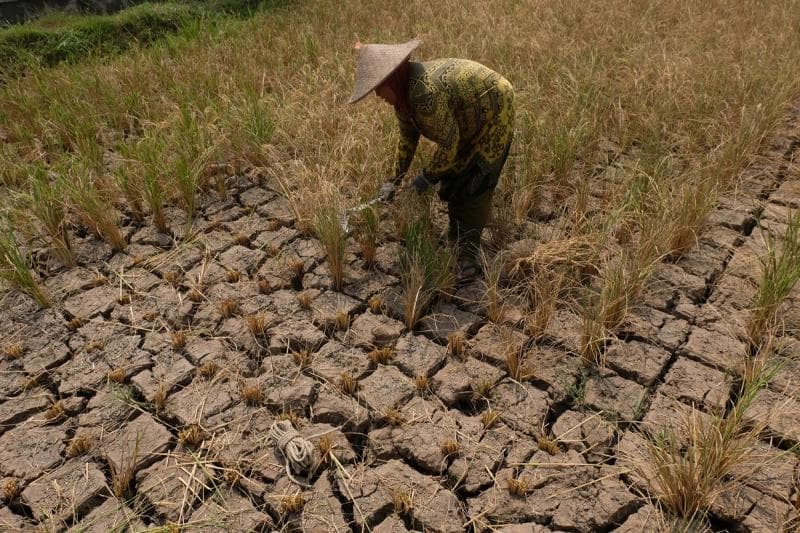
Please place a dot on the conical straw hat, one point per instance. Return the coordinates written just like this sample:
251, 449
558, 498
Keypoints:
376, 62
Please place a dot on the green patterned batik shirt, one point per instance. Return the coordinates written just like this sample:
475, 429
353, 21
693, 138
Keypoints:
467, 109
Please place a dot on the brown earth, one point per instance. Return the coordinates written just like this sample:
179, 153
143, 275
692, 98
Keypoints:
410, 446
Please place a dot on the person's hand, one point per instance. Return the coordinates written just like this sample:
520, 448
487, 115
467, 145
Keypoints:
420, 183
387, 191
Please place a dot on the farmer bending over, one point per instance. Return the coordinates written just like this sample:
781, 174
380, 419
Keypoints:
466, 109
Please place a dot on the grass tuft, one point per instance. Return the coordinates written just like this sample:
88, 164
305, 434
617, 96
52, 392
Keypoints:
403, 502
380, 356
264, 286
302, 358
232, 276
257, 324
422, 385
116, 376
348, 384
192, 436
251, 392
780, 271
425, 269
228, 307
455, 344
13, 351
489, 418
11, 490
517, 487
80, 445
331, 234
366, 228
122, 474
15, 266
304, 299
208, 369
548, 444
178, 340
450, 448
292, 503
376, 305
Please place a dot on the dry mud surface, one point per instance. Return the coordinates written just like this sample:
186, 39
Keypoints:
101, 369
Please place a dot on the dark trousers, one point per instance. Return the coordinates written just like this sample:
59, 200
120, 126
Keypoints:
468, 217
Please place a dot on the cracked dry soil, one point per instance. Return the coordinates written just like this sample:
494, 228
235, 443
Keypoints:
144, 397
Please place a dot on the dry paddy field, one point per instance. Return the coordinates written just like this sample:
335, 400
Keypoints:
176, 281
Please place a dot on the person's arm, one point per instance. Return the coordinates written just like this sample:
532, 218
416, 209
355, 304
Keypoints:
406, 147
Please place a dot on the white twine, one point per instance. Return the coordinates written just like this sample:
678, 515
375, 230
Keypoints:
297, 451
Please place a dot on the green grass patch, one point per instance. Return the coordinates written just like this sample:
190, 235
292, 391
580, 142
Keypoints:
70, 37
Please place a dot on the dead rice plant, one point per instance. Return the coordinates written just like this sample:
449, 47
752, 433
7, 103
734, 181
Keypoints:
264, 286
690, 468
292, 503
297, 270
13, 351
489, 418
192, 436
160, 397
55, 412
348, 384
208, 369
394, 417
687, 212
422, 385
173, 277
81, 444
328, 229
148, 152
455, 344
516, 366
228, 307
117, 375
304, 299
425, 269
15, 266
124, 298
302, 358
450, 448
780, 271
366, 231
195, 295
122, 473
47, 205
548, 444
403, 501
342, 320
178, 340
481, 388
75, 323
544, 292
91, 203
232, 276
493, 294
257, 324
251, 392
380, 356
376, 305
593, 337
11, 489
517, 487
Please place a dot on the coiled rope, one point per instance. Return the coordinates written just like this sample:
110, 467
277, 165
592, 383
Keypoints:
297, 451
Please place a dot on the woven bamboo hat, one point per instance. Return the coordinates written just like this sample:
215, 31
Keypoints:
376, 62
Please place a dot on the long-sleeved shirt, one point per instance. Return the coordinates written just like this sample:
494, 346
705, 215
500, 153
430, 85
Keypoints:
467, 109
